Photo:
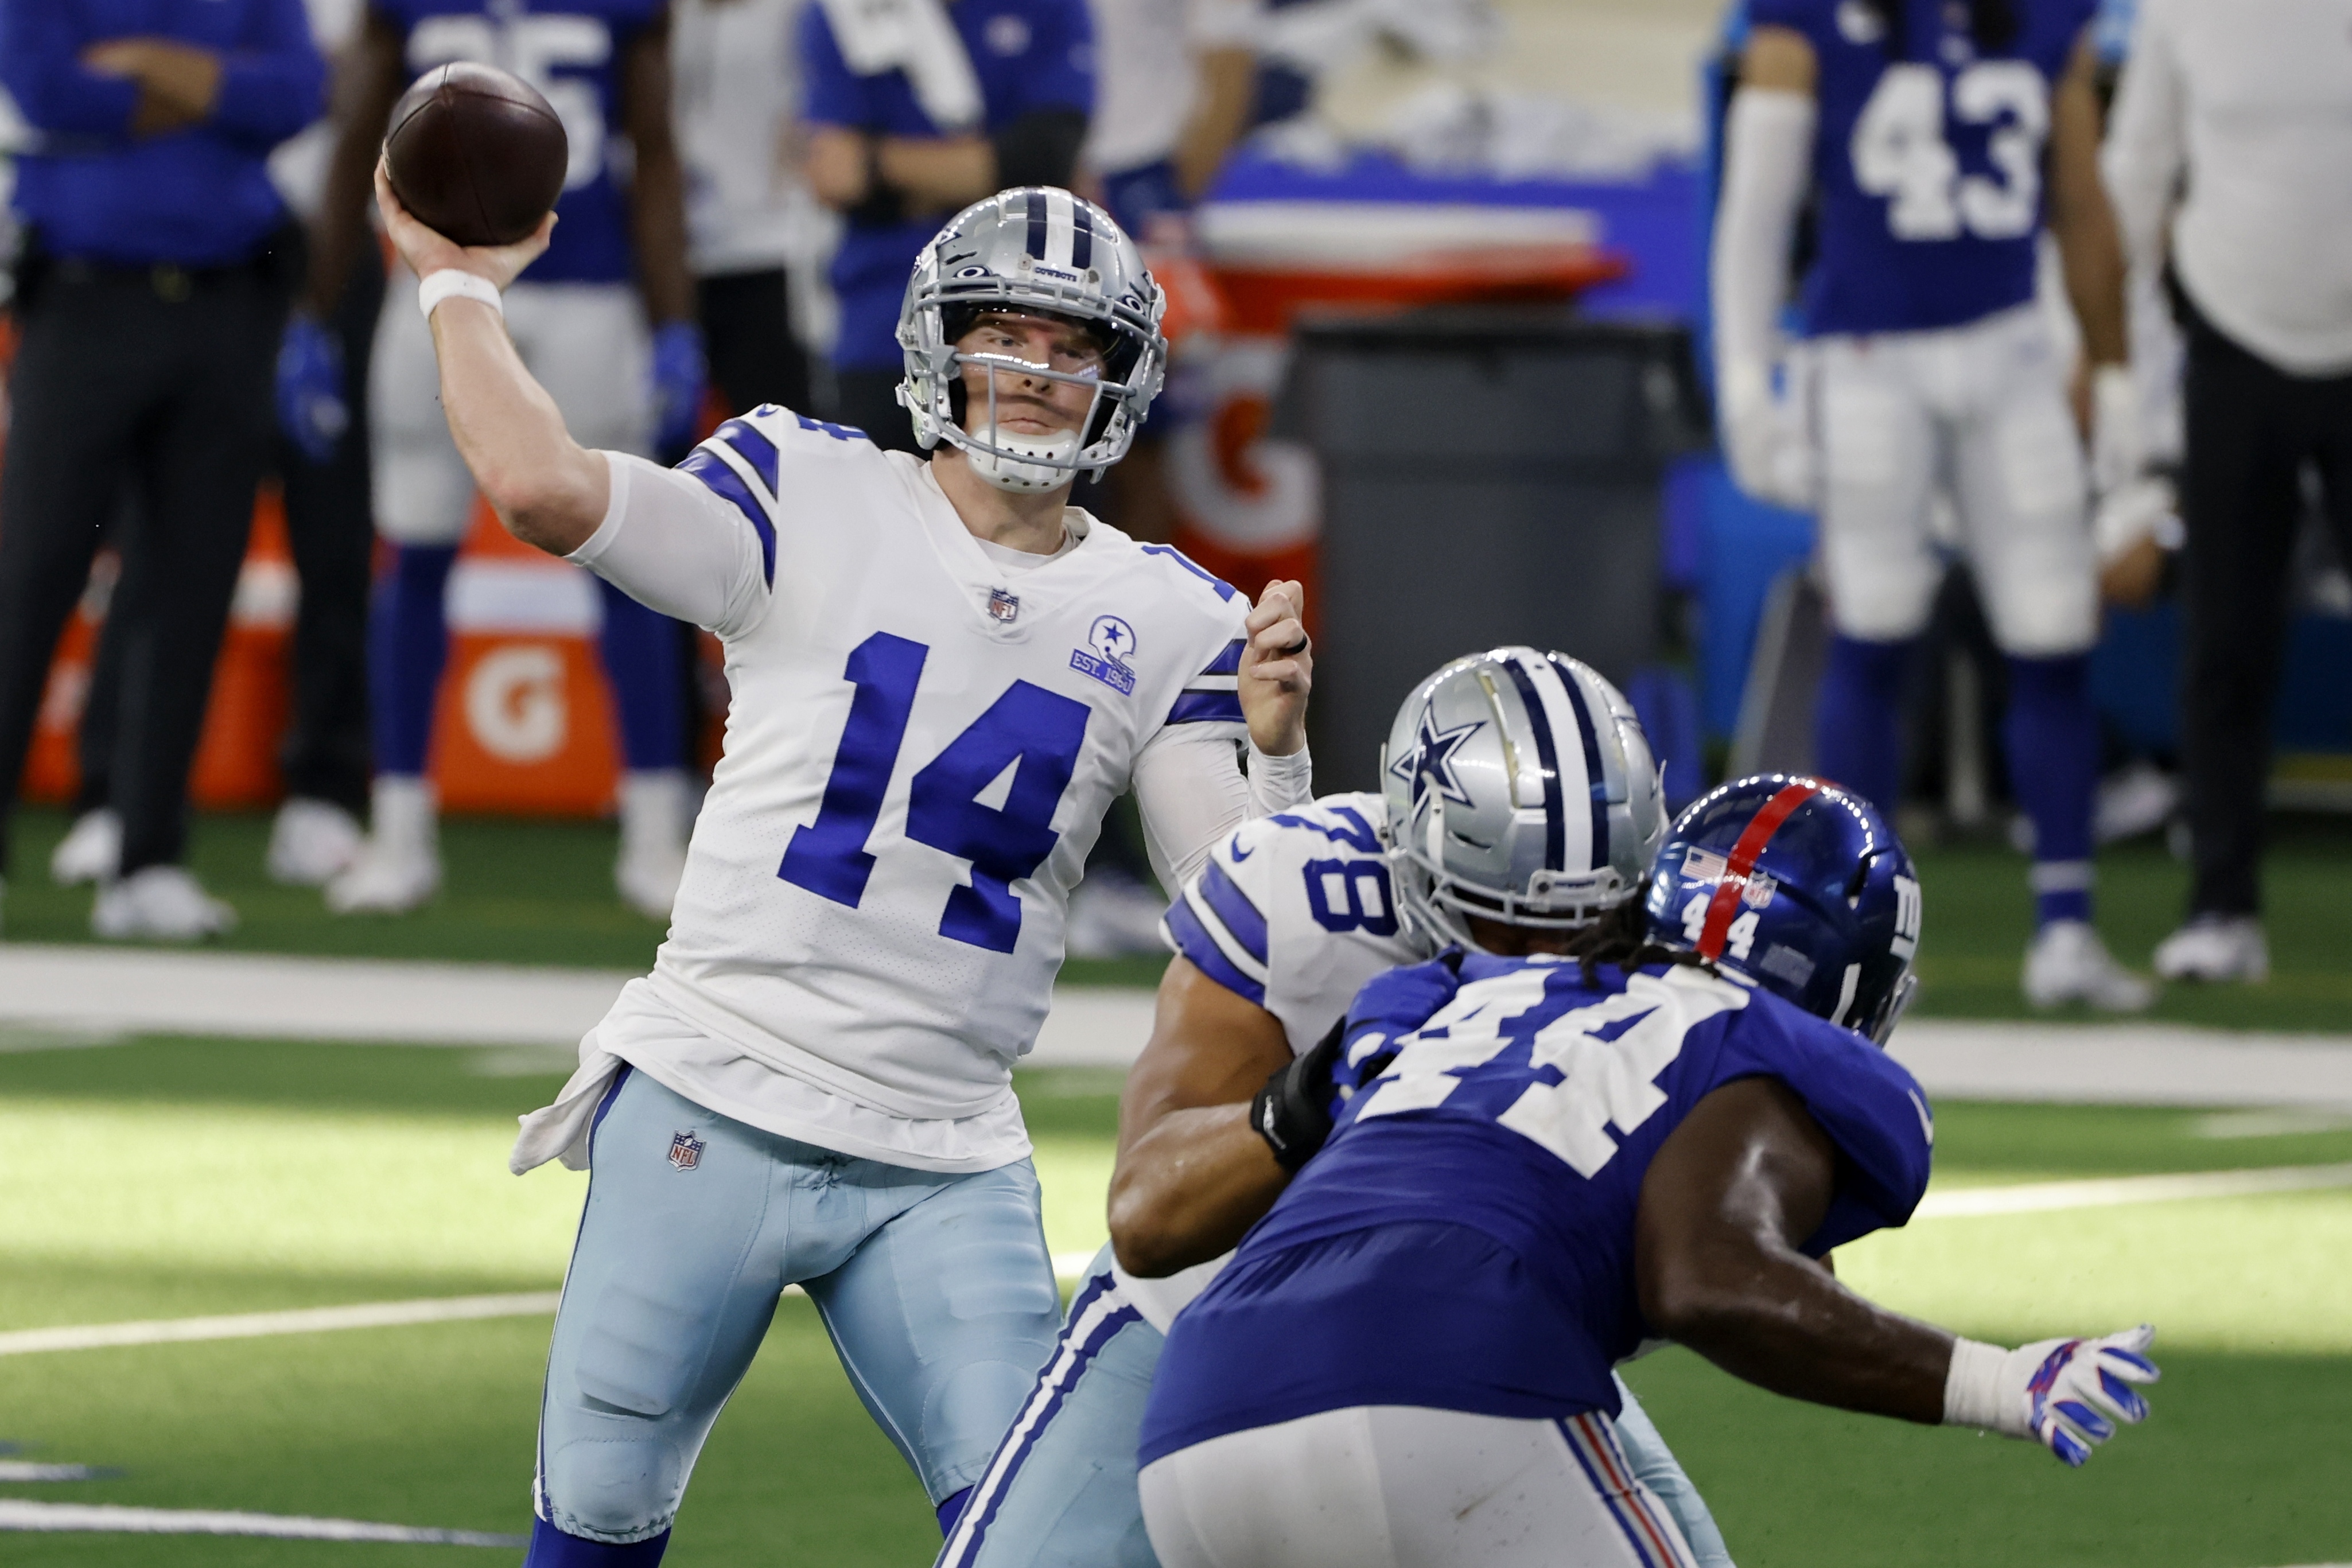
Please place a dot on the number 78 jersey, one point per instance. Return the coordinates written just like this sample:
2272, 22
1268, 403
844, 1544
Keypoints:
921, 747
1930, 166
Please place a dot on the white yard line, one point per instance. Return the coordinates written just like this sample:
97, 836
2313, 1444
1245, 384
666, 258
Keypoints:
21, 1472
258, 1325
104, 1518
1068, 1267
2112, 1192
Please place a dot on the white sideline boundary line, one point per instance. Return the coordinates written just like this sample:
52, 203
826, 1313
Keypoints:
1068, 1267
88, 1518
2114, 1192
258, 1325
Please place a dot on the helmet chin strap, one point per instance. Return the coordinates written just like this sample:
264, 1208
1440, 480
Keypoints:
1021, 464
1022, 474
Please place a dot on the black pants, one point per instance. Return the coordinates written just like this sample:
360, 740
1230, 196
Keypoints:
869, 401
747, 330
2251, 429
166, 378
330, 529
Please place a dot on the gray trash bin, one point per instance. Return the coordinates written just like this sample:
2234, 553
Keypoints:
1489, 477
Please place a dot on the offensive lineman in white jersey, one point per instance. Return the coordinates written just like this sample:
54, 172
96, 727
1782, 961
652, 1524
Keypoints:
942, 676
1541, 762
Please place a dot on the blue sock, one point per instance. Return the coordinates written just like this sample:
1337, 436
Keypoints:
641, 649
408, 643
952, 1511
1858, 720
2052, 732
550, 1548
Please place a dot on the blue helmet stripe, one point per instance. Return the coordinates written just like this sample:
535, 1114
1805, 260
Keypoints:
1555, 827
1037, 224
1082, 237
1594, 774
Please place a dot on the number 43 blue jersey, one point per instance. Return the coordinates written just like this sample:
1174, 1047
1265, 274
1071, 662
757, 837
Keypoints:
1464, 1242
1930, 167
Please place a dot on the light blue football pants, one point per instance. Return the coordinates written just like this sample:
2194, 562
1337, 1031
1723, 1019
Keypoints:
1060, 1492
936, 1291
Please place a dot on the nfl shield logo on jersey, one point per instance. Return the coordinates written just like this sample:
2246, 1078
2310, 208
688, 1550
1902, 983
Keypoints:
1003, 607
685, 1151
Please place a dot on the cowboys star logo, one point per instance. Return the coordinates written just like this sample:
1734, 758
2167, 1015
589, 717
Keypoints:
1430, 760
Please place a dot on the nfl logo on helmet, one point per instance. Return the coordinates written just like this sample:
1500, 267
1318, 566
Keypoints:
685, 1151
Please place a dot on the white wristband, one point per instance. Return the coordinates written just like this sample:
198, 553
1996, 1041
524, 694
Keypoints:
1280, 781
1977, 1393
450, 283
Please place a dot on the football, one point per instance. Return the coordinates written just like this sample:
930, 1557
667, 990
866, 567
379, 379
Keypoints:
475, 155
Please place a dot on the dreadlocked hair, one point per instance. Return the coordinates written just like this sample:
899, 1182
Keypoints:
1622, 938
1993, 24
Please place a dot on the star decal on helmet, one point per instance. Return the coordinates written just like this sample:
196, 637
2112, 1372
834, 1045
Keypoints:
1430, 760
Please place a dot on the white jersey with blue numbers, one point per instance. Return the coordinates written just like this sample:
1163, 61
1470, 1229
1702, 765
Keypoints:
921, 743
1293, 912
1929, 158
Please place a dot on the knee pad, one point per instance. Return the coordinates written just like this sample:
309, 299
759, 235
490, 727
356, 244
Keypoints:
612, 1485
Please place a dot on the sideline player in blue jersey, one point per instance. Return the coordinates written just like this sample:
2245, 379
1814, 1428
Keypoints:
1289, 917
606, 323
1942, 140
1647, 1128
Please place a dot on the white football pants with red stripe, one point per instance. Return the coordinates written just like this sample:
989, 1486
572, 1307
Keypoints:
1392, 1486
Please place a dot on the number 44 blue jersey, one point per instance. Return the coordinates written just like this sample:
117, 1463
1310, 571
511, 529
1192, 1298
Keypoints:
1466, 1239
1930, 165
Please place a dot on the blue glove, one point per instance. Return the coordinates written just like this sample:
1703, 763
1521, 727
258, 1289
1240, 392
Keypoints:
310, 405
2068, 1394
679, 375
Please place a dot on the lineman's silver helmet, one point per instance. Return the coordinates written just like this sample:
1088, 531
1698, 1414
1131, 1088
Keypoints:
1519, 788
1036, 249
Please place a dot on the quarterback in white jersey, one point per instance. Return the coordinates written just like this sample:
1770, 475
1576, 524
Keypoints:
1286, 920
942, 676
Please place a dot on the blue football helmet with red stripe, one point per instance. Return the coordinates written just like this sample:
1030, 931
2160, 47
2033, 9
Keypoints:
1798, 886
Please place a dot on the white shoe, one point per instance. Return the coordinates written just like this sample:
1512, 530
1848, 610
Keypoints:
2068, 962
1112, 916
656, 817
90, 849
310, 842
161, 904
398, 867
2216, 947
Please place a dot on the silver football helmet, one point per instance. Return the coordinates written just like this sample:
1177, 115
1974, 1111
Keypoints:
1043, 250
1519, 788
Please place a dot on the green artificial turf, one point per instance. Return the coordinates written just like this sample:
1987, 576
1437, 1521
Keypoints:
174, 1178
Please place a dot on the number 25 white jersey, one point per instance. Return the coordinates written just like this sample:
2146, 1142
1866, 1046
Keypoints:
1293, 912
920, 750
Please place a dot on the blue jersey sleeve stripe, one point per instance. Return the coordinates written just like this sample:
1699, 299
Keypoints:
1227, 663
729, 485
1207, 707
1194, 941
1232, 906
755, 448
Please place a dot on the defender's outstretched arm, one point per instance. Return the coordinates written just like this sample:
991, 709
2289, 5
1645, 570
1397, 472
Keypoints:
1732, 1193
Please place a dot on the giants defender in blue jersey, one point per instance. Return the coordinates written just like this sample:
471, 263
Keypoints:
605, 322
1941, 140
1289, 917
1650, 1128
